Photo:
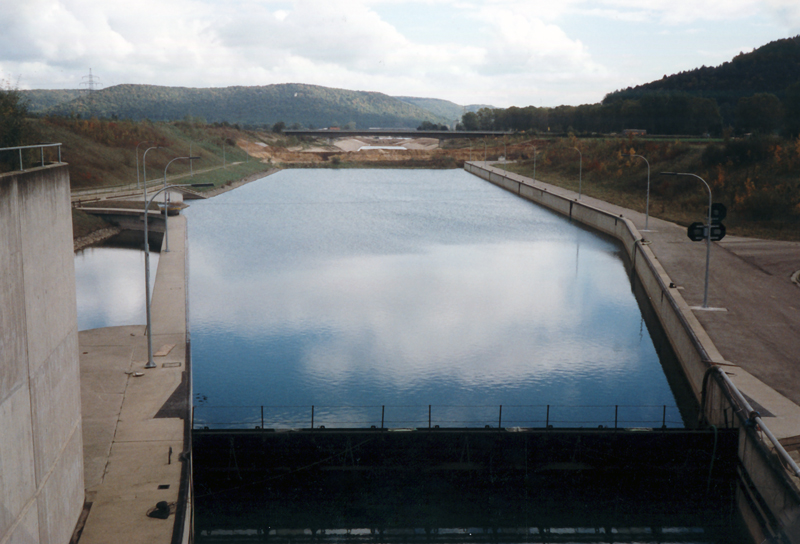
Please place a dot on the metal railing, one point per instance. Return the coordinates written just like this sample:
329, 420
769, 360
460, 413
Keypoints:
544, 416
37, 146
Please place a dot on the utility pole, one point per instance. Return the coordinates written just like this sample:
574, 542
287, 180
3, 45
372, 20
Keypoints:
91, 82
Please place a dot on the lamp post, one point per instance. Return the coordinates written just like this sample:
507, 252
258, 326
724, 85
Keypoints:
150, 362
144, 173
505, 156
534, 163
137, 162
580, 172
707, 229
166, 200
647, 204
484, 153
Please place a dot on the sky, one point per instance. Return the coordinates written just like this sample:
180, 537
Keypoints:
493, 52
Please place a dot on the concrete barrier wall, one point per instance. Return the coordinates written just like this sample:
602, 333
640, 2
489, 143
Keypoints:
771, 504
41, 451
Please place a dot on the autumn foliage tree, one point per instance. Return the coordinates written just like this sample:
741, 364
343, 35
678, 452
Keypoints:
13, 112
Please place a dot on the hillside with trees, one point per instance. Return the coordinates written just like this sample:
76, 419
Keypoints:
756, 92
442, 108
297, 105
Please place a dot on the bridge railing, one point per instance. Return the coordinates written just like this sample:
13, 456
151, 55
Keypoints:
543, 416
40, 147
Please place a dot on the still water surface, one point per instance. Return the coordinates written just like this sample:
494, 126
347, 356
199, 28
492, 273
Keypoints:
109, 282
351, 290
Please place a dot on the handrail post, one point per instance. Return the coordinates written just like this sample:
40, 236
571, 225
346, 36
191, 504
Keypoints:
262, 417
312, 417
664, 418
20, 160
547, 420
383, 412
616, 414
429, 416
500, 418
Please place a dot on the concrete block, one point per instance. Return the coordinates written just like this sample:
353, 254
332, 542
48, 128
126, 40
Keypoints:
49, 268
27, 530
17, 477
41, 460
61, 496
55, 399
13, 341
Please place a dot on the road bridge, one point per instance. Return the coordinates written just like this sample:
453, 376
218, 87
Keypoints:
398, 133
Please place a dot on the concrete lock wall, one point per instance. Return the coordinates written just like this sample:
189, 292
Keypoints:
41, 451
770, 503
679, 324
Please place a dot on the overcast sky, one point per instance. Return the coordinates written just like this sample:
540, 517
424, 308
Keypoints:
498, 52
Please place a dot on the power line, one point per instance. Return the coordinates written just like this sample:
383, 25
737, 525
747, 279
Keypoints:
91, 82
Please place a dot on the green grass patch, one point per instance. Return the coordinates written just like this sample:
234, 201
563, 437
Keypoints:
84, 224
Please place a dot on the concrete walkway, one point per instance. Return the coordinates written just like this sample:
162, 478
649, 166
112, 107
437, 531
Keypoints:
132, 416
755, 323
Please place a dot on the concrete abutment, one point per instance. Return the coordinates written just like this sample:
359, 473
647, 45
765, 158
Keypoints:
41, 451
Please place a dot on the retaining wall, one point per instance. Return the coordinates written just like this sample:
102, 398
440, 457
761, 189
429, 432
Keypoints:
770, 500
41, 448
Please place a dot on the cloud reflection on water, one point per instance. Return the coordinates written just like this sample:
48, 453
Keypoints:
110, 286
513, 303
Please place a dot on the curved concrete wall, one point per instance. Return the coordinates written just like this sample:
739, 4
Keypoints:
41, 458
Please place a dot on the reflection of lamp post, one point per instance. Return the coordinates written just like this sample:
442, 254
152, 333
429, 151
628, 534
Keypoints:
647, 204
580, 172
166, 200
137, 162
150, 362
707, 229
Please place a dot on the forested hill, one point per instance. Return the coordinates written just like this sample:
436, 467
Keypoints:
771, 68
305, 105
442, 108
757, 93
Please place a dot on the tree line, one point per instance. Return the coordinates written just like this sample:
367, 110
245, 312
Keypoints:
667, 113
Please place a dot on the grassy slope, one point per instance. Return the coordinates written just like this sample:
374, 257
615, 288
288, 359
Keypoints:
763, 198
102, 153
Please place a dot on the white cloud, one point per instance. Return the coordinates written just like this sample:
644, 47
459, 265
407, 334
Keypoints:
504, 52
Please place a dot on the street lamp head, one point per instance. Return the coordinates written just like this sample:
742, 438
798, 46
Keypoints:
668, 173
201, 185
